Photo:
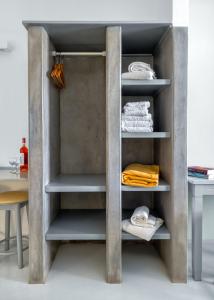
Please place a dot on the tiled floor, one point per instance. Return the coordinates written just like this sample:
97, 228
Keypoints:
78, 272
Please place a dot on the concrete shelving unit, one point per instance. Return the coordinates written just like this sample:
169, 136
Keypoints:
77, 149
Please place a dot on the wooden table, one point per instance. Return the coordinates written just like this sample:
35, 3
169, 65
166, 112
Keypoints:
198, 188
12, 182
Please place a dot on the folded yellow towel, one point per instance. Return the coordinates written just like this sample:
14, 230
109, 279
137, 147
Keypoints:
141, 175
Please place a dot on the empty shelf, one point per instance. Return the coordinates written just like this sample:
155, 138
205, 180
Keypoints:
77, 183
78, 225
143, 87
162, 187
88, 225
145, 135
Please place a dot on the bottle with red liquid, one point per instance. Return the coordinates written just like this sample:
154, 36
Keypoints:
23, 156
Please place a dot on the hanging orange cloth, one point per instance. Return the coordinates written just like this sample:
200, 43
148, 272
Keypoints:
141, 175
57, 74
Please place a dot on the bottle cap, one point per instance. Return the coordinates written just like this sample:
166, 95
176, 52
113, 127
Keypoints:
23, 140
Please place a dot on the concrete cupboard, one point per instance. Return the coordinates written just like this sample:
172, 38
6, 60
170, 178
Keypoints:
77, 149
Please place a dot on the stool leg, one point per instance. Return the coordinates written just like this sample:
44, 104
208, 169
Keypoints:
19, 236
27, 211
7, 230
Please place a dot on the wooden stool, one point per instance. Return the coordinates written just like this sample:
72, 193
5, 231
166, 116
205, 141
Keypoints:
14, 201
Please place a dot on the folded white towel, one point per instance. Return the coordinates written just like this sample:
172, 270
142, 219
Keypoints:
143, 75
150, 222
139, 66
140, 215
137, 104
129, 111
136, 129
145, 233
126, 123
147, 117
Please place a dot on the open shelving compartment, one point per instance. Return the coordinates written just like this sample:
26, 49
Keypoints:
78, 150
165, 146
80, 183
141, 147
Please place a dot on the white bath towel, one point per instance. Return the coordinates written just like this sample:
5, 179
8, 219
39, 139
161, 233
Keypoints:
138, 104
129, 111
145, 69
126, 123
150, 222
147, 117
136, 129
139, 66
145, 233
140, 215
143, 75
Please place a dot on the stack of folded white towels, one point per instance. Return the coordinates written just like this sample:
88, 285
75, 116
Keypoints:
142, 224
139, 70
136, 117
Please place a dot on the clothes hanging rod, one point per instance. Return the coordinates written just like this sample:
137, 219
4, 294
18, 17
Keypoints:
136, 54
55, 53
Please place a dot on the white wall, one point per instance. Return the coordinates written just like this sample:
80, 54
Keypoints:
200, 95
13, 75
180, 13
201, 83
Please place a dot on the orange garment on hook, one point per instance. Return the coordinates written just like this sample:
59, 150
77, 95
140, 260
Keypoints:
57, 75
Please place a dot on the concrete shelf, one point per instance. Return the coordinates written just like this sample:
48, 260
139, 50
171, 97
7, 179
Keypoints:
145, 135
134, 87
162, 187
88, 225
77, 183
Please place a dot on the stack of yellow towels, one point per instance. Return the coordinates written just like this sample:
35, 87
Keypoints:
141, 175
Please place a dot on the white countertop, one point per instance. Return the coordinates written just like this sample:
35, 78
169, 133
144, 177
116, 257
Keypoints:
195, 180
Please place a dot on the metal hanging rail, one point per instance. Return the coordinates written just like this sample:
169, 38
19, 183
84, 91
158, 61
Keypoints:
55, 53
